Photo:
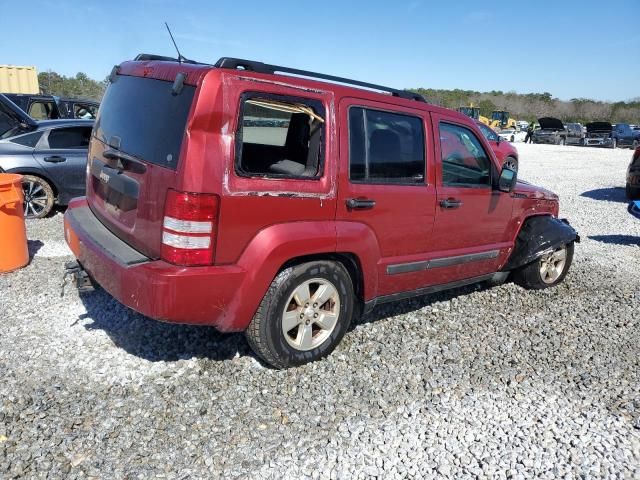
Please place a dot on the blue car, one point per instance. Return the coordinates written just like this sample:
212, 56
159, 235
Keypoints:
50, 154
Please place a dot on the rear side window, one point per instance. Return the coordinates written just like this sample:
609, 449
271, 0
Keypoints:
385, 147
69, 138
28, 140
465, 163
280, 136
42, 110
142, 117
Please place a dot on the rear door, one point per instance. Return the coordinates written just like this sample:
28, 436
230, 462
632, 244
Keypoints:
385, 183
134, 157
470, 231
62, 152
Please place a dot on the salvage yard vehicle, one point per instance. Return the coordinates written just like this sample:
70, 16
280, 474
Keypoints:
600, 134
625, 136
501, 119
474, 112
632, 187
575, 134
50, 154
51, 107
285, 206
552, 131
506, 153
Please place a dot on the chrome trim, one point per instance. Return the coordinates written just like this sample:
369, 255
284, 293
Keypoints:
440, 262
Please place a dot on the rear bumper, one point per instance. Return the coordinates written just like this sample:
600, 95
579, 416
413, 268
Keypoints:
191, 295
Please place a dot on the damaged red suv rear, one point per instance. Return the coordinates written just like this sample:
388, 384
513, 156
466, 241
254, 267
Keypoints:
242, 196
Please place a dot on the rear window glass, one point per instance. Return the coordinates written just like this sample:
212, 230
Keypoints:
146, 119
29, 140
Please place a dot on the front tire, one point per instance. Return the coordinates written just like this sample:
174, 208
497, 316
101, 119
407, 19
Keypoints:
548, 271
38, 196
304, 314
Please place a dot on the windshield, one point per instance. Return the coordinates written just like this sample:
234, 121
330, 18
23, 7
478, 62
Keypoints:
498, 116
143, 118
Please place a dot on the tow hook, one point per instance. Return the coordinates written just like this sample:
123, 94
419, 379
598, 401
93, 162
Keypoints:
78, 275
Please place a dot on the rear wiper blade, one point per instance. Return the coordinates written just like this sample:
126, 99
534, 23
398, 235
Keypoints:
112, 154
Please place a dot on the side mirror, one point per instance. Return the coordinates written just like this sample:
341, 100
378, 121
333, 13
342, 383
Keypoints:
507, 180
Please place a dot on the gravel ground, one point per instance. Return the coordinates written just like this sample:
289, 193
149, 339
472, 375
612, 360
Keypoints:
501, 382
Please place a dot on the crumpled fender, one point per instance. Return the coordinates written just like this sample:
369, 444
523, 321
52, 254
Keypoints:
539, 235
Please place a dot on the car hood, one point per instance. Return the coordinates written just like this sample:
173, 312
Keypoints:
528, 190
11, 116
550, 123
599, 127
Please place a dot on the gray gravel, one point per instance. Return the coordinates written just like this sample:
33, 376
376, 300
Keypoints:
475, 383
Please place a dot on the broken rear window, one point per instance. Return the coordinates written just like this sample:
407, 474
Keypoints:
279, 136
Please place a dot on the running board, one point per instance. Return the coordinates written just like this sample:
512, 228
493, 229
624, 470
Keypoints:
371, 304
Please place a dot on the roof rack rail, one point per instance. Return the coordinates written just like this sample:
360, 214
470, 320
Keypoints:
259, 67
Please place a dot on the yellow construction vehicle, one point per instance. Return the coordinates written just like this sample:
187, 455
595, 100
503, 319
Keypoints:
501, 120
473, 112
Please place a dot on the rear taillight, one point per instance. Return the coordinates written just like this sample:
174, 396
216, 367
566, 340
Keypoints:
189, 228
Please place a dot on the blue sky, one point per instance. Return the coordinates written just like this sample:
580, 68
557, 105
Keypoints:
565, 47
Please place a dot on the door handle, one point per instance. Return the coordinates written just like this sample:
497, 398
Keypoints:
54, 159
450, 203
360, 204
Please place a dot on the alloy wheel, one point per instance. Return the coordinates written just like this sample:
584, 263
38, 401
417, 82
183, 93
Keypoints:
311, 314
35, 198
552, 265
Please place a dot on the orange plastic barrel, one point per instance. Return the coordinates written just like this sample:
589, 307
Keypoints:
14, 253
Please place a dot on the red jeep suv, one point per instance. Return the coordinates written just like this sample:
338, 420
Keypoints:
244, 196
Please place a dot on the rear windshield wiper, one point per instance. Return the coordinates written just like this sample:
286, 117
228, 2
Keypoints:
112, 154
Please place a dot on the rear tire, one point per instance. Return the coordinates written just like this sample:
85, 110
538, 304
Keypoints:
548, 271
38, 196
290, 327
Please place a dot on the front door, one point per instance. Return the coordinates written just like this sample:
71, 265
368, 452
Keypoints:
470, 233
386, 188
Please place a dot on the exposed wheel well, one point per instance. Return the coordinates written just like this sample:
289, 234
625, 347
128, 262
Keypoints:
348, 260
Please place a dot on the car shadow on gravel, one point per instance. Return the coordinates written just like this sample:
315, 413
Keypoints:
626, 240
613, 194
157, 341
33, 247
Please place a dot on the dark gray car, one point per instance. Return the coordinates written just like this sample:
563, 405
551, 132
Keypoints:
50, 154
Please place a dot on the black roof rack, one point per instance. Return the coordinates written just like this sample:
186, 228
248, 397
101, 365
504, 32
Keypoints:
259, 67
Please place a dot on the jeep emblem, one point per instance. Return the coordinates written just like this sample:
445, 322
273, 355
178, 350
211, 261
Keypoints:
104, 178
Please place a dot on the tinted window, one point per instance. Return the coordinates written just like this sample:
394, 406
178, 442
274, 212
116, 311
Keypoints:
29, 140
279, 136
147, 119
465, 163
385, 147
76, 137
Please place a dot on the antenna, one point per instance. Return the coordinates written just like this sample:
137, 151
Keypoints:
180, 57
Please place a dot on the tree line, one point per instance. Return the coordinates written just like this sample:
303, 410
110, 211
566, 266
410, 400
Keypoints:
530, 106
80, 85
